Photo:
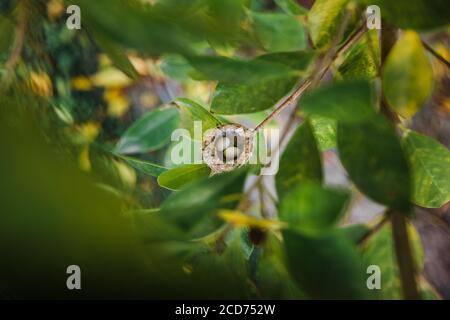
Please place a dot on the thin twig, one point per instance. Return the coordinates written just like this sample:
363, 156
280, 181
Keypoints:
435, 54
374, 229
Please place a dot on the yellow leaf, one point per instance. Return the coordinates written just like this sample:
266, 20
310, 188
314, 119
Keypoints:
55, 9
83, 160
111, 77
89, 130
242, 220
118, 103
127, 175
407, 75
81, 83
41, 84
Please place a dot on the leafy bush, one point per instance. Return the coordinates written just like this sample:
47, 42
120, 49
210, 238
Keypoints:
86, 129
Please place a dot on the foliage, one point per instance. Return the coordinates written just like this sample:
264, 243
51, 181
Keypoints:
86, 128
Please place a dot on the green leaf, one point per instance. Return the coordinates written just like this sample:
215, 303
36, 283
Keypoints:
324, 19
430, 170
417, 14
311, 207
346, 101
278, 31
326, 266
355, 232
291, 7
191, 111
193, 209
176, 67
146, 167
300, 162
117, 56
379, 250
249, 98
275, 281
152, 226
139, 28
238, 71
177, 177
362, 60
407, 76
372, 155
324, 131
150, 132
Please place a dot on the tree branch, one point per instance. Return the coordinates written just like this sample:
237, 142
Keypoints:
16, 52
435, 54
398, 220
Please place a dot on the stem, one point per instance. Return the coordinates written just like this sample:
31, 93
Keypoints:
435, 54
16, 52
404, 256
374, 230
398, 220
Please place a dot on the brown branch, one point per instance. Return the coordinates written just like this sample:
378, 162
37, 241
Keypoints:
16, 52
404, 255
435, 54
402, 244
374, 229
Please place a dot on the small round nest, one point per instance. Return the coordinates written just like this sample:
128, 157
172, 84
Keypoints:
227, 147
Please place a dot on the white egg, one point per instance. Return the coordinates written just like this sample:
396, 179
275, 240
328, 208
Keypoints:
231, 153
222, 143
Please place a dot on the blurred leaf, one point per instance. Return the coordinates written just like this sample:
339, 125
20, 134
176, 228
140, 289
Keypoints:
234, 257
324, 19
326, 266
430, 170
372, 155
191, 111
117, 56
239, 71
379, 250
362, 60
300, 162
310, 207
65, 219
325, 131
177, 177
291, 7
193, 209
346, 101
249, 98
110, 77
152, 226
219, 22
278, 31
139, 28
7, 29
240, 219
417, 14
355, 232
176, 67
150, 132
407, 75
274, 280
146, 167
